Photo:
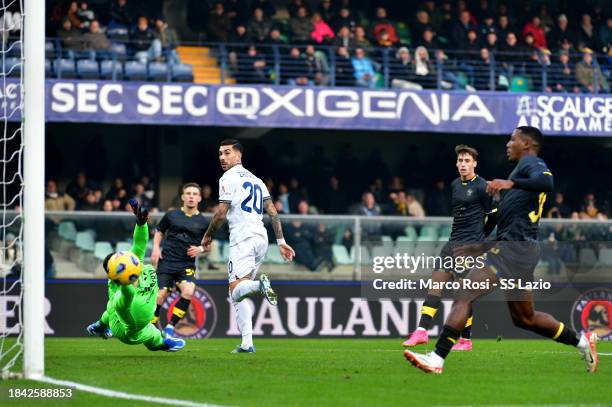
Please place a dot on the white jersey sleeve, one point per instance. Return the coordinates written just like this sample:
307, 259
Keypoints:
245, 193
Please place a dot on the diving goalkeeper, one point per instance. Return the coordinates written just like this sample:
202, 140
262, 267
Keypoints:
130, 308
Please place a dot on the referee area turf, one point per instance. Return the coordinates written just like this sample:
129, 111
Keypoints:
323, 372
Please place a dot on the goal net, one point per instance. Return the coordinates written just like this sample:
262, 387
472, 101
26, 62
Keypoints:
22, 231
11, 188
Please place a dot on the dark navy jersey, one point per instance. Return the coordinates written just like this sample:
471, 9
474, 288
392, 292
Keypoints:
471, 204
520, 208
181, 231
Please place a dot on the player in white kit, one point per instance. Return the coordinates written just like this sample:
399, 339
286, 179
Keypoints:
242, 199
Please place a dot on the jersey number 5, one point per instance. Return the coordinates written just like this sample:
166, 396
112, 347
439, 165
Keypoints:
256, 195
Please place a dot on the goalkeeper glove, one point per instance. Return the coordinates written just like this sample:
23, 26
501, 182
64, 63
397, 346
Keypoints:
142, 213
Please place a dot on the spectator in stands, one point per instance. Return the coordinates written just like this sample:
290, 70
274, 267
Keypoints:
219, 24
482, 71
461, 29
252, 67
422, 22
107, 205
450, 71
317, 65
139, 194
414, 207
428, 39
503, 26
323, 239
605, 35
275, 37
483, 10
487, 26
530, 45
168, 40
296, 71
343, 38
300, 236
559, 209
344, 19
587, 34
365, 75
96, 40
283, 197
208, 200
239, 41
589, 75
237, 11
361, 39
381, 22
91, 202
78, 188
401, 71
300, 27
534, 27
511, 52
326, 11
334, 199
491, 41
561, 33
85, 14
77, 24
345, 73
589, 208
294, 8
266, 6
321, 32
120, 15
397, 204
117, 186
561, 76
259, 26
384, 46
71, 40
368, 206
534, 66
438, 202
424, 70
144, 43
472, 45
57, 201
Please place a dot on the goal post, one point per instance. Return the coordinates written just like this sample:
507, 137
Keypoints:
33, 121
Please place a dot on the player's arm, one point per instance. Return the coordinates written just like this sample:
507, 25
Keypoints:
216, 222
141, 230
537, 178
286, 251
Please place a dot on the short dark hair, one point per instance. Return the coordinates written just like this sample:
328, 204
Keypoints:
534, 134
234, 143
191, 185
465, 149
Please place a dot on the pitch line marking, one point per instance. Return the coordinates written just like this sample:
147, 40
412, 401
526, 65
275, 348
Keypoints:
122, 395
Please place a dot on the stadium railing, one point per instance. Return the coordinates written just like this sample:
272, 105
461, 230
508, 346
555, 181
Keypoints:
342, 244
449, 69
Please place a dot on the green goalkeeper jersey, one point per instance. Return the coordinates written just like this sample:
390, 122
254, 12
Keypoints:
142, 304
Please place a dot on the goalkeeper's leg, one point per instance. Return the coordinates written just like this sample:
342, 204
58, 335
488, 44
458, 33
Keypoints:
153, 339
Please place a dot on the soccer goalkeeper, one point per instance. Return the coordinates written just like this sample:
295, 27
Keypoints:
130, 308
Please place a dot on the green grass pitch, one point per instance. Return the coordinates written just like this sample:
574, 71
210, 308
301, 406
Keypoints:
325, 372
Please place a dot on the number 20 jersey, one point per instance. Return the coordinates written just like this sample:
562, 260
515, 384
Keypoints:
245, 193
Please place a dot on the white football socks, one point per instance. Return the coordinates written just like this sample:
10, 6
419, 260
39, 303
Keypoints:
244, 318
244, 289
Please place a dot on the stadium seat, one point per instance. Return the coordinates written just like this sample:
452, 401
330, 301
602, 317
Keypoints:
411, 233
85, 241
50, 49
587, 257
429, 232
378, 251
519, 84
119, 51
48, 70
102, 249
111, 69
445, 231
12, 66
87, 69
273, 255
426, 248
135, 70
341, 255
182, 73
158, 71
64, 68
67, 231
124, 246
605, 257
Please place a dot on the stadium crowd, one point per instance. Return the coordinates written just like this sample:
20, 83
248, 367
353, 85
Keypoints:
480, 45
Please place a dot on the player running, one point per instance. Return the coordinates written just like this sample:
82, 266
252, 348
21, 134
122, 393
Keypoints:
242, 199
514, 256
472, 222
130, 307
182, 230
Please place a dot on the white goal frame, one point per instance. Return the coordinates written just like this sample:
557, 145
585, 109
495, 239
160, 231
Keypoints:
33, 122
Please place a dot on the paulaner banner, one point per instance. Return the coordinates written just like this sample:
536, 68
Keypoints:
320, 107
307, 309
